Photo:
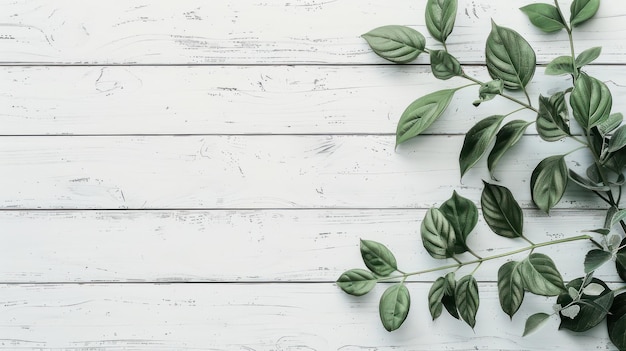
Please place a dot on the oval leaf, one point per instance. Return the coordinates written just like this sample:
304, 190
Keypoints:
592, 309
434, 297
534, 322
593, 289
548, 182
552, 118
443, 65
506, 138
545, 17
462, 214
596, 258
397, 44
560, 65
618, 140
582, 10
440, 17
357, 282
586, 183
510, 287
614, 121
588, 56
540, 275
438, 236
591, 101
378, 258
422, 113
477, 140
449, 300
616, 322
501, 212
394, 306
509, 57
467, 299
620, 261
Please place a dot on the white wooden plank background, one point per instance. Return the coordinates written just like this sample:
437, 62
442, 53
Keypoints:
194, 175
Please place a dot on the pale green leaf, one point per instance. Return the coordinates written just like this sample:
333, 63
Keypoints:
510, 287
420, 114
489, 90
467, 299
548, 182
583, 10
357, 282
501, 212
443, 65
586, 183
438, 236
394, 306
614, 121
509, 57
618, 139
588, 56
440, 17
534, 322
397, 44
506, 138
593, 289
560, 65
571, 312
435, 294
477, 140
540, 275
378, 258
544, 16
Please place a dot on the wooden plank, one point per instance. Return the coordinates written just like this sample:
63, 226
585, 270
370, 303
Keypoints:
263, 32
244, 246
255, 172
257, 317
243, 100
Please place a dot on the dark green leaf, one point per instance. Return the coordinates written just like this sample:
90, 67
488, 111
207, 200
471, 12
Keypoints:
544, 16
548, 182
591, 101
440, 16
510, 287
596, 258
422, 113
586, 183
467, 299
397, 44
588, 56
434, 297
582, 10
616, 322
477, 140
593, 309
462, 214
540, 275
444, 66
614, 121
489, 90
378, 258
602, 231
449, 300
620, 261
357, 282
534, 322
618, 140
552, 119
501, 212
560, 65
394, 306
438, 236
506, 138
509, 57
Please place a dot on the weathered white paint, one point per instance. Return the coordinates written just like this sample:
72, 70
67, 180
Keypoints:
247, 99
261, 32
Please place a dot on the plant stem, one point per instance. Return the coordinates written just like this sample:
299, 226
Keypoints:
519, 102
489, 258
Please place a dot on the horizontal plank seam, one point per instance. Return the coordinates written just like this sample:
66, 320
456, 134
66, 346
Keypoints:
245, 282
207, 209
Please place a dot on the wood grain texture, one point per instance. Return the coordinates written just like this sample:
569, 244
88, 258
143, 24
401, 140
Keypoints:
250, 245
256, 317
262, 32
247, 99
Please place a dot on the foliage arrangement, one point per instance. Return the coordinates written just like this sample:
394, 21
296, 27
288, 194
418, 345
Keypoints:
580, 304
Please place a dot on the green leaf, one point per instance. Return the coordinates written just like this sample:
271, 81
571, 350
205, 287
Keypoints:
560, 65
438, 236
501, 212
548, 182
462, 214
477, 140
397, 44
357, 282
509, 57
434, 297
618, 140
591, 101
593, 309
422, 113
394, 306
571, 312
489, 90
449, 300
545, 17
510, 287
616, 322
540, 275
440, 17
620, 261
507, 137
467, 299
614, 121
588, 56
596, 258
582, 10
534, 322
444, 66
586, 183
617, 216
552, 119
378, 258
593, 289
